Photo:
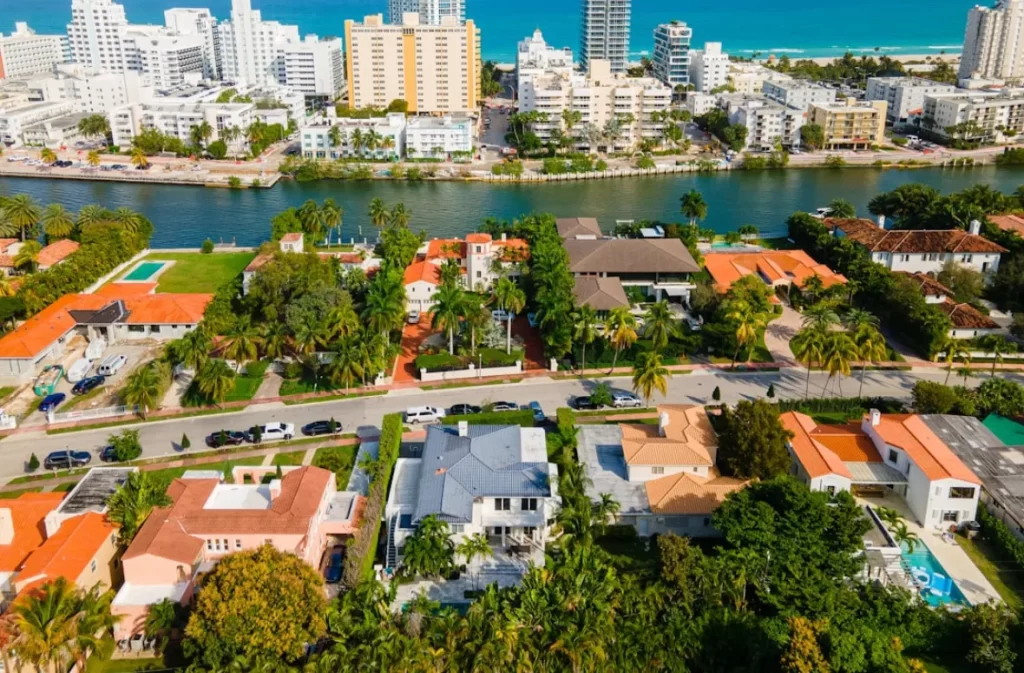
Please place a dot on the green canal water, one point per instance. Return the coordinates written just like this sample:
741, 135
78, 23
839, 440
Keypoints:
185, 216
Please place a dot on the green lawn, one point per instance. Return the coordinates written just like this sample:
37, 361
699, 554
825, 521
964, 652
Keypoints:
245, 388
337, 459
290, 458
196, 272
5, 392
835, 417
79, 401
10, 495
305, 384
1003, 573
171, 473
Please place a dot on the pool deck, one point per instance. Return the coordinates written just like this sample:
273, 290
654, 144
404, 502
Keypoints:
955, 561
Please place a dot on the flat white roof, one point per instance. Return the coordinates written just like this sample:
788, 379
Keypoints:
148, 594
236, 496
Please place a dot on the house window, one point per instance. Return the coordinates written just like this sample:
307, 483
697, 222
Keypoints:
707, 521
831, 490
93, 565
904, 258
893, 456
529, 504
209, 545
457, 528
961, 492
136, 328
502, 504
952, 517
657, 470
238, 544
529, 531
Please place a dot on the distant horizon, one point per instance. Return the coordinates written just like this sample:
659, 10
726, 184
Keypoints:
744, 29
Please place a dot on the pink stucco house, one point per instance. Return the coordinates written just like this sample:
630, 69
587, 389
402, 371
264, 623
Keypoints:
209, 519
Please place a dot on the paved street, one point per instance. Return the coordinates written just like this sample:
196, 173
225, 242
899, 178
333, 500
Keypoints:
162, 438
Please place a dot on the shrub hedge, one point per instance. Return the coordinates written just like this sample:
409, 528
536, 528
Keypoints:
843, 404
995, 531
521, 418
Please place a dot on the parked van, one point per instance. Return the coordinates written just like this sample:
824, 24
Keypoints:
423, 414
111, 365
78, 370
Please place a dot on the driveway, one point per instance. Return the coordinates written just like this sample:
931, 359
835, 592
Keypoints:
531, 338
412, 337
779, 333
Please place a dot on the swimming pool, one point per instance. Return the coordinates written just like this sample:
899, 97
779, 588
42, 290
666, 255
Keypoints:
144, 271
938, 587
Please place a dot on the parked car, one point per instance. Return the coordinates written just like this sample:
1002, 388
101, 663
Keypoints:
334, 566
225, 438
51, 402
413, 317
77, 371
108, 455
320, 428
112, 364
620, 400
583, 403
63, 460
271, 431
463, 410
423, 414
87, 384
538, 414
505, 406
501, 315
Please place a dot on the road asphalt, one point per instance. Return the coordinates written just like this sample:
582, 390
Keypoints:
162, 438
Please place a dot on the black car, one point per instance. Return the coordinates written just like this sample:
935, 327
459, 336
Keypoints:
87, 384
463, 410
320, 428
334, 566
62, 460
225, 438
583, 403
505, 406
108, 454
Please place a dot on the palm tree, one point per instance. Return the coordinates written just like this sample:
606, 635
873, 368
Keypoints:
139, 157
584, 330
379, 213
694, 206
449, 305
605, 509
400, 215
241, 341
48, 156
387, 143
660, 325
842, 209
383, 308
132, 502
346, 365
451, 272
473, 546
747, 325
200, 133
274, 340
57, 222
342, 321
812, 288
999, 346
871, 347
820, 316
620, 330
28, 255
129, 219
46, 626
840, 351
91, 214
649, 375
93, 158
215, 380
6, 287
94, 622
476, 317
510, 298
809, 348
953, 349
161, 620
145, 388
330, 215
336, 135
21, 216
372, 140
193, 349
904, 536
358, 141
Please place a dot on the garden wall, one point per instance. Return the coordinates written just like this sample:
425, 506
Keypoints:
471, 373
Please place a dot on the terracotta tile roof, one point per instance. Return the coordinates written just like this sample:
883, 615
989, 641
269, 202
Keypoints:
426, 271
601, 294
688, 438
931, 455
291, 237
478, 238
123, 290
686, 493
446, 248
570, 227
773, 266
67, 552
259, 261
6, 258
172, 532
1008, 222
629, 255
965, 316
167, 309
28, 511
57, 252
848, 442
877, 239
929, 286
813, 456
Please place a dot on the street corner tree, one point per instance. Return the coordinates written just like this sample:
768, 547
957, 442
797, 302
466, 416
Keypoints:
752, 443
262, 605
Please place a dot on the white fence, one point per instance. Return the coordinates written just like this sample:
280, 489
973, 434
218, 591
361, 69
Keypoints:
89, 414
471, 373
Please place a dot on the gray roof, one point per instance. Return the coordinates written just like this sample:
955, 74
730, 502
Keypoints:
91, 494
600, 452
874, 473
601, 294
629, 255
487, 462
571, 227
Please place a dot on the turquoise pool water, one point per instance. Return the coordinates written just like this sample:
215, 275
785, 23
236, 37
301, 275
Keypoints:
927, 571
144, 271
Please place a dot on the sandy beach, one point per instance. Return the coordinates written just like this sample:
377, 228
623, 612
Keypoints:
925, 59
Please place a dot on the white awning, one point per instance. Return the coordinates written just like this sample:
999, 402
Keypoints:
675, 290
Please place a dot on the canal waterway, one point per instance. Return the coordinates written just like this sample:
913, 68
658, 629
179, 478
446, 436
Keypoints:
186, 216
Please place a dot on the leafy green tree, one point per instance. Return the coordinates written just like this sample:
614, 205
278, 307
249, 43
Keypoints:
259, 604
842, 209
161, 620
716, 394
933, 398
752, 442
186, 443
429, 552
601, 395
988, 628
804, 655
133, 501
812, 136
1001, 396
126, 445
33, 463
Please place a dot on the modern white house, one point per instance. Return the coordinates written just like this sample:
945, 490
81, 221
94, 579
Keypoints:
352, 139
885, 454
438, 137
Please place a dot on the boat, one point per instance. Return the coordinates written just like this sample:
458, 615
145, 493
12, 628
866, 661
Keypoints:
821, 213
47, 380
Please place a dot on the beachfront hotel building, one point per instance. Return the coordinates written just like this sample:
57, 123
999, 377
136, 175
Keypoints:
709, 67
604, 34
186, 21
850, 124
994, 42
535, 57
431, 11
435, 69
24, 53
672, 53
165, 60
250, 46
904, 95
96, 34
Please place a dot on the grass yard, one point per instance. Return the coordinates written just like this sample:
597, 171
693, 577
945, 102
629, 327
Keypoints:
835, 417
338, 459
171, 473
82, 401
5, 392
289, 458
1002, 573
10, 495
196, 272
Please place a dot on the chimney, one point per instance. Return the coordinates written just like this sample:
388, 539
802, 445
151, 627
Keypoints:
876, 417
662, 423
463, 428
975, 227
275, 489
881, 221
6, 526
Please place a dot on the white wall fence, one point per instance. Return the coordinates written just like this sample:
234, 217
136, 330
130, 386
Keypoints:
472, 373
90, 414
985, 355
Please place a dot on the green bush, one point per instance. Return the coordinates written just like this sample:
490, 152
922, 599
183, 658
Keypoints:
234, 182
442, 362
834, 161
523, 418
496, 357
33, 463
207, 247
126, 445
931, 397
900, 142
816, 405
996, 532
293, 370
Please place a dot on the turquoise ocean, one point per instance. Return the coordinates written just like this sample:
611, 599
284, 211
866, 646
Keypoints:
799, 28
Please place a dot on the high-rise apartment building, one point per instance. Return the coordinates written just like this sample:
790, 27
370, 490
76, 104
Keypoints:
250, 47
672, 53
313, 68
709, 67
25, 53
96, 34
535, 57
994, 42
605, 33
435, 69
163, 58
431, 11
198, 22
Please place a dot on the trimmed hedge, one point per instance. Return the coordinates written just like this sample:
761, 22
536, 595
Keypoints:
995, 531
441, 362
363, 547
489, 357
522, 418
844, 404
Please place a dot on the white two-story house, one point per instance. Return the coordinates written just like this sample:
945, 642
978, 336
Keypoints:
886, 454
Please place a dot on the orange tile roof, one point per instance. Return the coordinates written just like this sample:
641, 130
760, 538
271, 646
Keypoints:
876, 239
427, 271
688, 438
291, 237
28, 511
166, 309
57, 252
6, 258
121, 290
37, 333
446, 248
68, 551
965, 316
1008, 222
848, 442
816, 459
686, 493
478, 238
794, 266
931, 455
259, 261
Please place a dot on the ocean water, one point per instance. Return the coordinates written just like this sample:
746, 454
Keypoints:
799, 28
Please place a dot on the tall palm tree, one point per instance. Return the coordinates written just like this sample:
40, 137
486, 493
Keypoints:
6, 287
274, 340
215, 380
400, 215
649, 375
998, 346
840, 352
660, 325
133, 501
383, 308
510, 298
871, 347
21, 216
476, 317
809, 348
93, 158
379, 213
387, 143
138, 157
842, 209
161, 619
145, 388
358, 141
904, 536
46, 626
28, 255
48, 156
449, 305
345, 365
954, 349
820, 316
372, 140
605, 509
193, 349
694, 206
129, 219
201, 133
620, 330
747, 326
336, 135
91, 214
241, 341
342, 321
474, 546
57, 222
330, 215
584, 330
450, 272
95, 621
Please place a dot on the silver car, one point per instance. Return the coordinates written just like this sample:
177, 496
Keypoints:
625, 400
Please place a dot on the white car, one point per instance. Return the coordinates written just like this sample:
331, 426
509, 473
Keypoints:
423, 414
624, 400
112, 364
271, 431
